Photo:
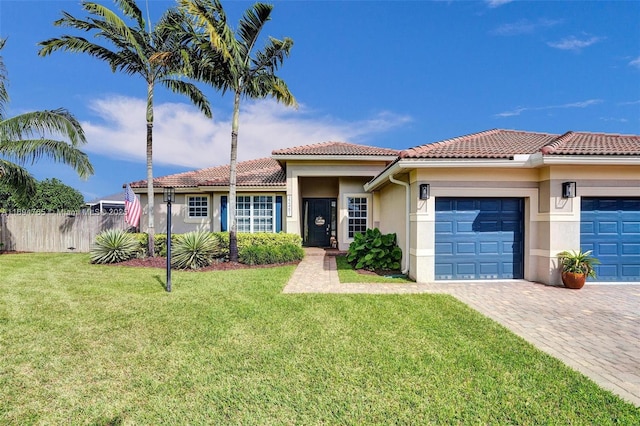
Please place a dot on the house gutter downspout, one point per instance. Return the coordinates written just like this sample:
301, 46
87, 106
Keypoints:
407, 237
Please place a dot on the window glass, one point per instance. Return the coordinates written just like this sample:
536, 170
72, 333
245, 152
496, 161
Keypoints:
357, 215
255, 213
198, 206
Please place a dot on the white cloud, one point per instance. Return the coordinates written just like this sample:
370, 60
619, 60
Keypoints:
497, 3
635, 62
182, 136
520, 110
574, 43
616, 120
524, 26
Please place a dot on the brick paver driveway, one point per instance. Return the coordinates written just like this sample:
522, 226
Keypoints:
595, 330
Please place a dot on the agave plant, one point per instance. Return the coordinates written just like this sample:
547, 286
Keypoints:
578, 262
194, 250
113, 246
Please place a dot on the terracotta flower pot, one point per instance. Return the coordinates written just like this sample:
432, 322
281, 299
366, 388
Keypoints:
573, 280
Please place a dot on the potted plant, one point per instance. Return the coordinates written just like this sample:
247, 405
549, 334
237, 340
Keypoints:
576, 267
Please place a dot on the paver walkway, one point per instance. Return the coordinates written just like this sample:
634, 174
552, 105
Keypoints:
595, 330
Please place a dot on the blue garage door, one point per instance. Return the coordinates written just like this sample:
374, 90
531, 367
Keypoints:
479, 238
611, 228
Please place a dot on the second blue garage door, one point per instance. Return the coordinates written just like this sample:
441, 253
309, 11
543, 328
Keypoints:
610, 227
479, 238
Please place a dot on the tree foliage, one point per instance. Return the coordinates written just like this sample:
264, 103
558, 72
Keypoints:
51, 196
127, 43
31, 136
231, 61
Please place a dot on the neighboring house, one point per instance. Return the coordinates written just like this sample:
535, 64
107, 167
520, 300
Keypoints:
493, 205
111, 204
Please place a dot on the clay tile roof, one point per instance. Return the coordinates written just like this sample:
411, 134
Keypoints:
499, 143
336, 148
261, 172
584, 143
496, 143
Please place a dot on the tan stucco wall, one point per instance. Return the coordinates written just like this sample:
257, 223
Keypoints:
179, 221
181, 224
552, 223
328, 179
392, 207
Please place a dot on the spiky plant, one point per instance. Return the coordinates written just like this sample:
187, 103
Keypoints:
113, 246
578, 262
194, 250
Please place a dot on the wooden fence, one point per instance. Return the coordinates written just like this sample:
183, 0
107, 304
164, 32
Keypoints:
54, 232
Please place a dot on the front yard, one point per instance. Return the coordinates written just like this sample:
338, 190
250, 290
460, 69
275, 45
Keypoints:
90, 344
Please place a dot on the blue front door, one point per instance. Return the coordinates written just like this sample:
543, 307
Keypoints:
610, 227
479, 238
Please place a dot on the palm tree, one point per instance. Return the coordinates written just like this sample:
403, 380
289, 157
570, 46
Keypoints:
155, 54
30, 136
246, 72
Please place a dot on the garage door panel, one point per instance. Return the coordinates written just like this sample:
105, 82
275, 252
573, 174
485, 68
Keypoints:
446, 227
630, 249
631, 271
487, 235
465, 248
629, 227
611, 229
489, 247
607, 248
445, 248
464, 227
608, 228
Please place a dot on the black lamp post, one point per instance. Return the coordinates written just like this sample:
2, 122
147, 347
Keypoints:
169, 196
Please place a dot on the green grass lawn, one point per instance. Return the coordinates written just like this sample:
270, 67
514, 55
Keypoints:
89, 344
347, 274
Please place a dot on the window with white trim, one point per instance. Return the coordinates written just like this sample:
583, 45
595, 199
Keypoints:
357, 215
198, 206
255, 213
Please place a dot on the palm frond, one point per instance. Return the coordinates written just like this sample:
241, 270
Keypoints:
131, 9
250, 26
59, 122
211, 17
192, 92
18, 179
59, 151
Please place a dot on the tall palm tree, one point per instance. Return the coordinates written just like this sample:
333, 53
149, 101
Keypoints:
246, 71
156, 54
30, 136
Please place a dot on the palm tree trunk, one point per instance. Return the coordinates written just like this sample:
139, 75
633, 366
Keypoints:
233, 241
150, 197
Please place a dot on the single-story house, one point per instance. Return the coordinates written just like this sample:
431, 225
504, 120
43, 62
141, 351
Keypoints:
494, 205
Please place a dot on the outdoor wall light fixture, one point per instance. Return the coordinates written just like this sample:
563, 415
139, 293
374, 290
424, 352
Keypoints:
568, 189
424, 191
169, 196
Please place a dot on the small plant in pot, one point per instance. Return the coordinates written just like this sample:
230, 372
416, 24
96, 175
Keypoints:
576, 267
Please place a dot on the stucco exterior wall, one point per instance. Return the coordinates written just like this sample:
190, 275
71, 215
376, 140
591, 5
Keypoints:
327, 179
391, 206
551, 222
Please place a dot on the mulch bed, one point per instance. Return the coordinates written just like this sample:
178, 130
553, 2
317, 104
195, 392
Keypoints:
161, 262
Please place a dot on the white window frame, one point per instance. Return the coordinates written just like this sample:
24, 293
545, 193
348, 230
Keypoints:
196, 219
347, 217
252, 216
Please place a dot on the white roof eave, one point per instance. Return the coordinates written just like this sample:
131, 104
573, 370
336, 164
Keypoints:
518, 161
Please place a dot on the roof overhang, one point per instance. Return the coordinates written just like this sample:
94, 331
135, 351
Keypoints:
517, 161
336, 157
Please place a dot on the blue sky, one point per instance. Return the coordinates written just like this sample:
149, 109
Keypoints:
393, 74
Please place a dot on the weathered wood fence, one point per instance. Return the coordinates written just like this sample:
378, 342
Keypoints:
54, 232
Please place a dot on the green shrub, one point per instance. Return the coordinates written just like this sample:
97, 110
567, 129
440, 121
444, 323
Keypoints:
374, 251
113, 246
268, 255
193, 250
